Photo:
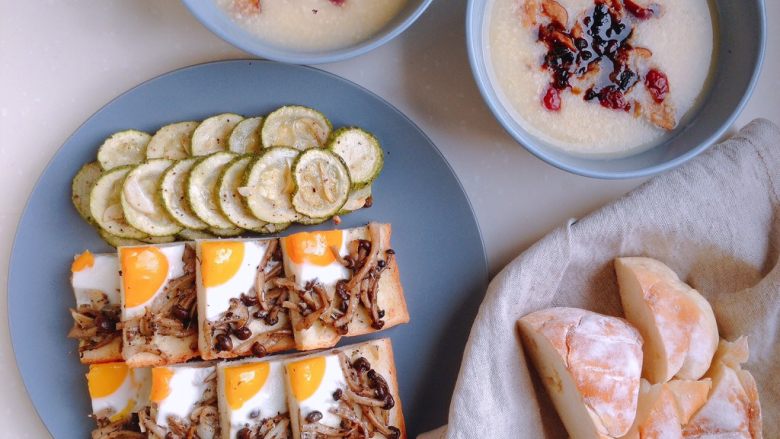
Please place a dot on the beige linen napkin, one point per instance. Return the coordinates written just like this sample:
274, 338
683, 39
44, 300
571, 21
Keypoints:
714, 221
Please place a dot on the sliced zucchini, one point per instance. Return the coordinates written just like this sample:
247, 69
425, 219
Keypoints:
356, 200
232, 204
105, 204
321, 183
311, 221
230, 231
269, 185
82, 186
123, 148
116, 241
212, 134
192, 235
202, 189
245, 137
141, 202
159, 239
297, 127
171, 141
274, 228
362, 153
173, 192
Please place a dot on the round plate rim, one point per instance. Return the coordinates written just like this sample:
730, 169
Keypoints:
12, 259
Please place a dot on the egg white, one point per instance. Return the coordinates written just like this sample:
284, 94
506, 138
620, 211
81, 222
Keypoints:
326, 275
173, 253
133, 390
322, 398
269, 401
187, 387
102, 276
218, 297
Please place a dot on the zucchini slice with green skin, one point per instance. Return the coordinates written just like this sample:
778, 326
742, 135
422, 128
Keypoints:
232, 204
192, 235
228, 232
116, 241
274, 228
123, 148
82, 186
213, 133
297, 127
322, 183
159, 239
141, 202
362, 153
171, 141
269, 185
305, 220
356, 200
173, 191
105, 204
245, 138
202, 189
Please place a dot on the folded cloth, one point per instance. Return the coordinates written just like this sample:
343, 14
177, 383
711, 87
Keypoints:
714, 221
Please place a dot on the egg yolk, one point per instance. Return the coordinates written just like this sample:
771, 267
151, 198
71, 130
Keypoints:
243, 382
82, 262
105, 379
306, 377
125, 412
220, 261
313, 247
144, 271
161, 383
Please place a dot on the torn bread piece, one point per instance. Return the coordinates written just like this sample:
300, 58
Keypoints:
117, 393
676, 322
689, 396
343, 283
95, 282
252, 396
665, 407
159, 321
240, 310
351, 391
183, 403
656, 415
732, 409
590, 365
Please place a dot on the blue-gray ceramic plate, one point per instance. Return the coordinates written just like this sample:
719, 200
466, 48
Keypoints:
442, 261
740, 52
218, 22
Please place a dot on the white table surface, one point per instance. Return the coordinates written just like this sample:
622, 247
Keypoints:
62, 60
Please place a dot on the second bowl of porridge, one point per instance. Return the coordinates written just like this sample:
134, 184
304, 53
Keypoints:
615, 88
307, 31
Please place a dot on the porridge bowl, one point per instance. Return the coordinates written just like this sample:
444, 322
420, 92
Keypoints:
307, 31
616, 88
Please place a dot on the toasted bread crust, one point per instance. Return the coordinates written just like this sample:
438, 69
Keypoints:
208, 352
174, 350
380, 354
391, 299
104, 354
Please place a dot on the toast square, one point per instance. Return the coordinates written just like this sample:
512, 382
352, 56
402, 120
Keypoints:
330, 300
183, 401
236, 320
359, 378
158, 299
95, 282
